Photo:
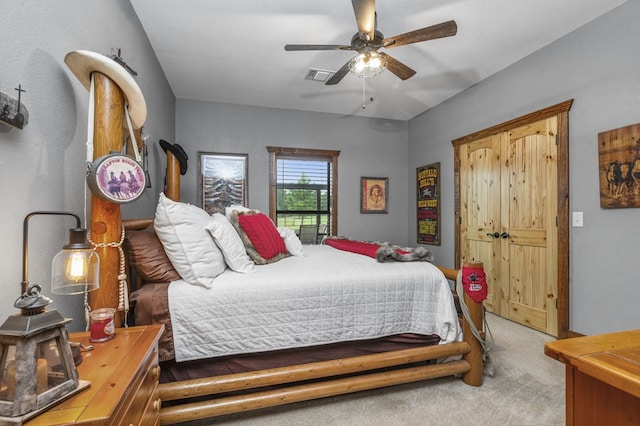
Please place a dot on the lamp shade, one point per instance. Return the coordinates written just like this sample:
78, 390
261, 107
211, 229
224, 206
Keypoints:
76, 268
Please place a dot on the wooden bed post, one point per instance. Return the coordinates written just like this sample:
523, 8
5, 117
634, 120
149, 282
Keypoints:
106, 222
172, 189
475, 357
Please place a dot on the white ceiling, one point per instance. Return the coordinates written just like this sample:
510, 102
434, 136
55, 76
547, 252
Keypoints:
232, 51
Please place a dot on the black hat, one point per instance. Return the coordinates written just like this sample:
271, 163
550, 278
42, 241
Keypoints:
178, 152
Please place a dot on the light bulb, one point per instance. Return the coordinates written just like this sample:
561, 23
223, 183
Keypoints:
367, 64
77, 267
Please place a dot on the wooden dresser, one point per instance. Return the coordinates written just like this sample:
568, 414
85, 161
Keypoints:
602, 378
124, 375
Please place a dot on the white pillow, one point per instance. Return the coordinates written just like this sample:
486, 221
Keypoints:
190, 248
230, 244
291, 241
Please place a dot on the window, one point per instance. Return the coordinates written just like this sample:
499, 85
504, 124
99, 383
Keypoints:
303, 189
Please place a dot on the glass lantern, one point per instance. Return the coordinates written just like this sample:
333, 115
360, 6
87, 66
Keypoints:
36, 361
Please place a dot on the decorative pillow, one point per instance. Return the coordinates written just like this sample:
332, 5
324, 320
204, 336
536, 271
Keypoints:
228, 211
191, 249
147, 256
260, 237
291, 241
230, 244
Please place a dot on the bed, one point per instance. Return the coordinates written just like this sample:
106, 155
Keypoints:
227, 368
214, 386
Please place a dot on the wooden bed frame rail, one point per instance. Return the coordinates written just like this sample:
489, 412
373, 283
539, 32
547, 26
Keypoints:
307, 391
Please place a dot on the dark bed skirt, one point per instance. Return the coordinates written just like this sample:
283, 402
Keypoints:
172, 371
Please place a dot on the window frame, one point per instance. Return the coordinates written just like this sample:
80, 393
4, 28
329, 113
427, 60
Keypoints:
306, 153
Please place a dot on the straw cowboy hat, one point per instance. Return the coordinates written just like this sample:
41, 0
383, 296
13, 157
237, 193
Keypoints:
83, 62
179, 153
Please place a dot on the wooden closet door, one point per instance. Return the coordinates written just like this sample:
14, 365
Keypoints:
513, 179
529, 216
480, 212
508, 209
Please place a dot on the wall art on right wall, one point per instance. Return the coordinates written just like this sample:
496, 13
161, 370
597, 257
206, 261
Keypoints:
619, 165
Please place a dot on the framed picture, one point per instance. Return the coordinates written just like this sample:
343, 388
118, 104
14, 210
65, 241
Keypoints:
374, 194
619, 164
223, 180
428, 207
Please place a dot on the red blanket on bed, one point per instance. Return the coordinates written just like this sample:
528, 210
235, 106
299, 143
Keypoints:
360, 247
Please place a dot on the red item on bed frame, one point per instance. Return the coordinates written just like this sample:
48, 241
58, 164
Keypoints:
474, 281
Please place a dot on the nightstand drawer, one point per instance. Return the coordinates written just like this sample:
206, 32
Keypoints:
145, 394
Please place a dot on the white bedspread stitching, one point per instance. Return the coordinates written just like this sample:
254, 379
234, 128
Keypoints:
325, 297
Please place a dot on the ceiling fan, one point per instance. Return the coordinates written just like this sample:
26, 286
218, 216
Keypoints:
368, 40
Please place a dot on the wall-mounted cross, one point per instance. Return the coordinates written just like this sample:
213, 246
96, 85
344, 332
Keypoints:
20, 90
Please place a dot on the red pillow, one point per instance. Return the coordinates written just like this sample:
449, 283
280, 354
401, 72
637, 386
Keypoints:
263, 234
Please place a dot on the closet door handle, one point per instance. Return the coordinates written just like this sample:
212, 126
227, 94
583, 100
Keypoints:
504, 235
494, 235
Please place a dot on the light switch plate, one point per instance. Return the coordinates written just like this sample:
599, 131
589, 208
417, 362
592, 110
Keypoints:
578, 219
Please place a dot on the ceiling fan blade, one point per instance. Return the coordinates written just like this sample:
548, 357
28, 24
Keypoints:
339, 75
398, 68
301, 47
444, 29
365, 11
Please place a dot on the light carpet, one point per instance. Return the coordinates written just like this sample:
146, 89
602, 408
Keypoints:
527, 388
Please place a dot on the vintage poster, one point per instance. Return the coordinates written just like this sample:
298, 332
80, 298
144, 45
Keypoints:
428, 212
374, 194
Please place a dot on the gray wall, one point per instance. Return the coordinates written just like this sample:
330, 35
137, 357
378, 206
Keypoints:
369, 147
42, 167
597, 65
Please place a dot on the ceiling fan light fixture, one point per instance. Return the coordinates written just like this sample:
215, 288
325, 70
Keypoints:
367, 64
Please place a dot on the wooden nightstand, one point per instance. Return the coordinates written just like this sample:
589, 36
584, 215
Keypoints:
124, 375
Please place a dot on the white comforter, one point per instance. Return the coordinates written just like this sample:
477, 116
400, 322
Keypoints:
327, 296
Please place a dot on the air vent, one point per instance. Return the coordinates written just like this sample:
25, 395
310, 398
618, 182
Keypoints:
318, 75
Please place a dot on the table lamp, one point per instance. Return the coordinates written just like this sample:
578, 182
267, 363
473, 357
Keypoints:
36, 362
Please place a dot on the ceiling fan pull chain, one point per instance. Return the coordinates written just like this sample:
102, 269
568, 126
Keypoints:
364, 105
